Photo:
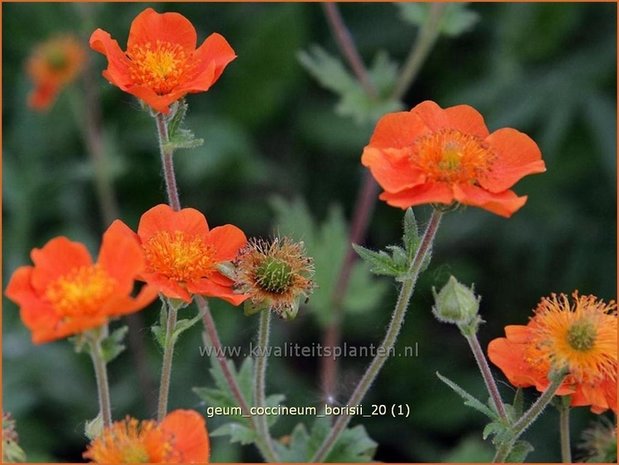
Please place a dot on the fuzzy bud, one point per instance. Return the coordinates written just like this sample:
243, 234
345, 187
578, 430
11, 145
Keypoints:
455, 303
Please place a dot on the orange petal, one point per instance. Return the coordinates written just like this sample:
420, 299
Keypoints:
467, 119
425, 193
124, 304
227, 240
517, 156
397, 130
166, 286
509, 357
160, 103
504, 203
57, 258
43, 95
210, 288
518, 334
211, 57
163, 218
117, 71
150, 26
121, 255
188, 436
432, 115
392, 168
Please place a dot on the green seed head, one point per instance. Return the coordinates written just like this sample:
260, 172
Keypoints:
581, 336
274, 275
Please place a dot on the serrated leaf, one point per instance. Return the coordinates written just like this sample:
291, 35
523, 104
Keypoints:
468, 398
183, 325
354, 445
273, 401
112, 345
518, 404
519, 452
245, 378
380, 262
237, 432
456, 18
354, 100
183, 139
159, 335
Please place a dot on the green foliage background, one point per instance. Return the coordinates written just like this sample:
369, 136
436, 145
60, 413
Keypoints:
271, 131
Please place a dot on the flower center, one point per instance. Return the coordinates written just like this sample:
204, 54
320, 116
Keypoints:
129, 441
581, 336
81, 291
274, 275
178, 256
452, 156
160, 66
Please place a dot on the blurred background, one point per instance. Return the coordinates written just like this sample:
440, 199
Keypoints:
282, 153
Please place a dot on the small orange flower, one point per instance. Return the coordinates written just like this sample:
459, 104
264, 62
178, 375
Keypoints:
52, 65
580, 338
441, 156
182, 254
66, 293
180, 438
162, 64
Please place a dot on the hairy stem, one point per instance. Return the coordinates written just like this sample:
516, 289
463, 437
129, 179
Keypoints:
419, 52
564, 428
211, 336
262, 425
528, 418
482, 363
406, 292
166, 366
103, 387
167, 161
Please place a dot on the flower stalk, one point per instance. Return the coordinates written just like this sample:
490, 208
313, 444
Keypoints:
406, 292
529, 417
262, 426
564, 429
100, 365
167, 161
166, 366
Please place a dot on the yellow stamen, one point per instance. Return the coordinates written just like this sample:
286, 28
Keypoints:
161, 66
452, 156
80, 292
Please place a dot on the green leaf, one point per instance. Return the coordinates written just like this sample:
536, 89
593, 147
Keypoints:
183, 325
468, 398
177, 118
237, 432
354, 100
112, 346
469, 449
183, 139
519, 452
273, 401
410, 238
380, 262
159, 335
245, 378
354, 445
456, 18
518, 404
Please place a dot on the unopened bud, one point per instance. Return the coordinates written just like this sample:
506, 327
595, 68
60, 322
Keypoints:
455, 303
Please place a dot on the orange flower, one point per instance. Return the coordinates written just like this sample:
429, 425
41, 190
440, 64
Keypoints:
182, 254
580, 338
440, 156
180, 438
65, 293
161, 64
52, 65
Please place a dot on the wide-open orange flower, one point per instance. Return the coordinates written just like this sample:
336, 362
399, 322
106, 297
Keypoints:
182, 254
65, 293
51, 66
162, 64
439, 156
180, 438
580, 337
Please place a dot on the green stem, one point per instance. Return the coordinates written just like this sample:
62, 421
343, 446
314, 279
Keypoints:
262, 426
421, 48
166, 367
528, 418
211, 336
484, 368
167, 162
564, 428
384, 350
103, 387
